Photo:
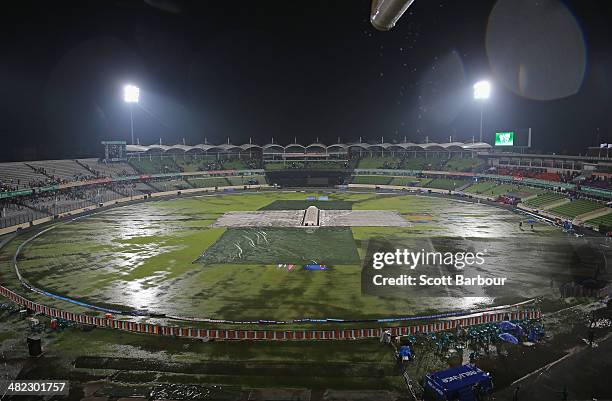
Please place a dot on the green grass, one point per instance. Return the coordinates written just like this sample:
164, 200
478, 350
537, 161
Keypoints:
602, 221
576, 208
491, 188
130, 359
544, 199
507, 189
7, 335
142, 256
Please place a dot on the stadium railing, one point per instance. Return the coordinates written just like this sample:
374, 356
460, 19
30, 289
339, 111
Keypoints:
520, 311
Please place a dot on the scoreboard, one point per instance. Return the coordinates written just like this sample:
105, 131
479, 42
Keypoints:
517, 138
114, 151
504, 138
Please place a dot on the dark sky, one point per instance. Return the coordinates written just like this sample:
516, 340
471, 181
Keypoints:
305, 70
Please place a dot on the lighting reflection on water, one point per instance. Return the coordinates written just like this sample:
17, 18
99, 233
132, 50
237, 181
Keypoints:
135, 293
455, 303
467, 219
117, 242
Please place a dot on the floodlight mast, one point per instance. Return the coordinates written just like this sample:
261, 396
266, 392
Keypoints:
482, 91
131, 94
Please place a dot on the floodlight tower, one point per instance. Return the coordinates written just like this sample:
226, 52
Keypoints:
131, 94
482, 91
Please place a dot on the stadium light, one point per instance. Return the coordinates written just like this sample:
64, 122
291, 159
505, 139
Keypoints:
131, 94
482, 91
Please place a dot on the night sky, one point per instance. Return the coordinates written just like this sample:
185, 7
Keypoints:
304, 70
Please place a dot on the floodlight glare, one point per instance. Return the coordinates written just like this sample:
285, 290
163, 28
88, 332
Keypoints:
131, 94
482, 90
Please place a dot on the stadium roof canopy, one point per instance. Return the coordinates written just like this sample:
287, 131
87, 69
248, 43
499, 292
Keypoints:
274, 147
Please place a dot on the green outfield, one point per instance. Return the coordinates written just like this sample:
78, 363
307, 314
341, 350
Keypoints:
164, 256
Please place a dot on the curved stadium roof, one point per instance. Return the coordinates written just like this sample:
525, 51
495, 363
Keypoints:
276, 147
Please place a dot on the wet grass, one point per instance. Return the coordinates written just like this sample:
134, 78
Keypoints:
141, 257
120, 344
134, 358
6, 335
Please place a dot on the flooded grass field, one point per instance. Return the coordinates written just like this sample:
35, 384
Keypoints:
145, 256
164, 256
